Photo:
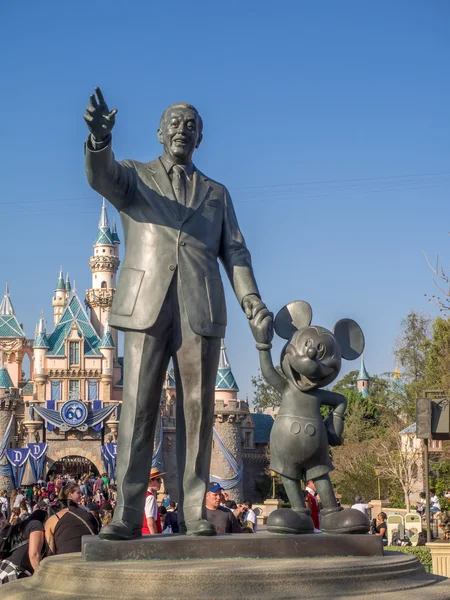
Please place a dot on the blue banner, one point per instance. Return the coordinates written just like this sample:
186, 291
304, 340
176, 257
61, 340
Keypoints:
51, 406
38, 455
96, 404
110, 455
17, 458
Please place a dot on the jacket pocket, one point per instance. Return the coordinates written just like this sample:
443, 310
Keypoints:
127, 291
216, 300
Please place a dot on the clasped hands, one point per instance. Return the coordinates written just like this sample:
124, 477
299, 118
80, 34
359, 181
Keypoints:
260, 320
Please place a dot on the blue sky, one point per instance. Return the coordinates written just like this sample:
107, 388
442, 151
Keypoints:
328, 122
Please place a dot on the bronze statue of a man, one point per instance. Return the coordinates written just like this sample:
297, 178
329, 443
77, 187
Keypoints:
169, 302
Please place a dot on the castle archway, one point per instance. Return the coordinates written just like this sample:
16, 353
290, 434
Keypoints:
74, 456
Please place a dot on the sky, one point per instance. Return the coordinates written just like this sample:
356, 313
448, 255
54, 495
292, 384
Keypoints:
327, 121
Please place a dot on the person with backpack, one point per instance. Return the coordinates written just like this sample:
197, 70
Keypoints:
22, 547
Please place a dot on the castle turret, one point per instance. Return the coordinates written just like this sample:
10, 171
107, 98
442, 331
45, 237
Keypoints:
68, 288
12, 339
229, 412
40, 348
9, 396
59, 299
104, 265
363, 379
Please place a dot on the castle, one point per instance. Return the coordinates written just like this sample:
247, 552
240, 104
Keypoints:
72, 400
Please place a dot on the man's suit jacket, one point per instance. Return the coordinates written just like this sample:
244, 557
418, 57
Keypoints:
162, 237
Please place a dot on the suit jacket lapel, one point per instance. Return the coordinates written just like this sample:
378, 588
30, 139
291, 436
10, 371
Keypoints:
201, 189
164, 185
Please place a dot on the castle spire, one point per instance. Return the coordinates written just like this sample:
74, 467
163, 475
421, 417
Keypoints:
6, 307
40, 340
67, 284
225, 379
104, 236
60, 285
114, 234
363, 379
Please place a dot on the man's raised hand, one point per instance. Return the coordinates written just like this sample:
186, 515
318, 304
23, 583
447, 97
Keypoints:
99, 119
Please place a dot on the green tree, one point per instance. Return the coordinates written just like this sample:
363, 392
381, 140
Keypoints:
265, 396
437, 373
412, 345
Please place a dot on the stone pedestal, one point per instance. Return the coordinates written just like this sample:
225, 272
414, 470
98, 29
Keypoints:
272, 504
440, 556
252, 566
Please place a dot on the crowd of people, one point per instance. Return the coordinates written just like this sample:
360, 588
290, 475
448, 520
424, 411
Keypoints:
50, 517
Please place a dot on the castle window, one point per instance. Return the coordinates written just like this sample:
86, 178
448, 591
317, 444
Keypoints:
248, 439
104, 284
104, 250
74, 353
74, 389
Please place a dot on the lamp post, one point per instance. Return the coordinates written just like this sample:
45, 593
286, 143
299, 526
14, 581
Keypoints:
274, 476
378, 472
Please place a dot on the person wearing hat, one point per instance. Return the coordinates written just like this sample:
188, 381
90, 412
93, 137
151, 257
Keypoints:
152, 519
222, 518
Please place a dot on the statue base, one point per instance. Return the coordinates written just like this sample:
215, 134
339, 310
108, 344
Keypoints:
227, 566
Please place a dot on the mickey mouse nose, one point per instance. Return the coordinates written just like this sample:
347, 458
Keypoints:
311, 352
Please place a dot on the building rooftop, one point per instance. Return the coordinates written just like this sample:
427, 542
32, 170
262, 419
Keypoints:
363, 375
74, 313
225, 380
411, 429
9, 325
263, 426
5, 379
104, 235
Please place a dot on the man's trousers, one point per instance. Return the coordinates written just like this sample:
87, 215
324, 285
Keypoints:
146, 359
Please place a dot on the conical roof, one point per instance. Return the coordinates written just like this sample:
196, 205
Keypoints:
40, 339
104, 236
107, 340
60, 285
5, 379
363, 375
9, 325
225, 379
67, 284
114, 234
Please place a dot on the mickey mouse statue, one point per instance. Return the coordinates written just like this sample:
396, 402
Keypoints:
300, 437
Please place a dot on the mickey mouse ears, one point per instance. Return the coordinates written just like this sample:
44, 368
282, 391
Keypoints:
293, 316
350, 338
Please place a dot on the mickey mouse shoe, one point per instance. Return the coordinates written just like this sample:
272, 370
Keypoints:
348, 520
286, 520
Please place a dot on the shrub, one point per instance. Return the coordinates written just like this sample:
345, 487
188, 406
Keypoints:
422, 553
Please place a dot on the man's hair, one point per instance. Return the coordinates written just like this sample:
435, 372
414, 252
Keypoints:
248, 503
358, 499
182, 105
432, 491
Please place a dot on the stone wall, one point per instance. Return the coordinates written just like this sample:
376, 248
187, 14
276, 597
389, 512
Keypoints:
58, 449
230, 434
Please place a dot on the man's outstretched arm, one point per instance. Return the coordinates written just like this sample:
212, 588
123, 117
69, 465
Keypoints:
113, 180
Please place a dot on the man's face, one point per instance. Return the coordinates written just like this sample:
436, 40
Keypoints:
214, 498
180, 134
155, 484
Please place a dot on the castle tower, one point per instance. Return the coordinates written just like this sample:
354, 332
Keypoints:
12, 339
9, 396
40, 348
363, 380
107, 348
104, 265
59, 299
68, 288
229, 412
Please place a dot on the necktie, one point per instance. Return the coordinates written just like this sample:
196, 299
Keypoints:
179, 184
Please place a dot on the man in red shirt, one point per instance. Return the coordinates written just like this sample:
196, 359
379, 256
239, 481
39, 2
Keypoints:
311, 489
152, 519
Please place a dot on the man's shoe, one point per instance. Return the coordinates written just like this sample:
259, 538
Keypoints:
120, 530
200, 527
